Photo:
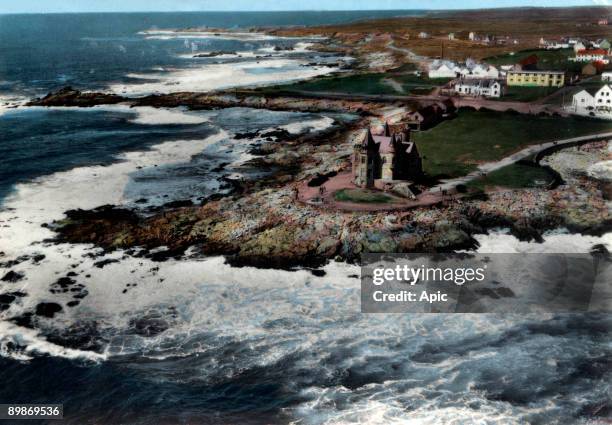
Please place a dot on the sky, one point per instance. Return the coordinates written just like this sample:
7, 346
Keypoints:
53, 6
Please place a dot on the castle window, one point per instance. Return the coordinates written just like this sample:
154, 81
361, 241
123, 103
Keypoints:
363, 160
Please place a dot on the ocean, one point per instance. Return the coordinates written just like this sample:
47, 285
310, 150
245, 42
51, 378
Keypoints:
195, 340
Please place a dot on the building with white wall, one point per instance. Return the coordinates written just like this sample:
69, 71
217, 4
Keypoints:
474, 87
592, 55
443, 69
597, 104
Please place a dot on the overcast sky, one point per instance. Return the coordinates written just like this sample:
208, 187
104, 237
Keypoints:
48, 6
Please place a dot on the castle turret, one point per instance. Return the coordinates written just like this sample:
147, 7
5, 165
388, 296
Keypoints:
368, 141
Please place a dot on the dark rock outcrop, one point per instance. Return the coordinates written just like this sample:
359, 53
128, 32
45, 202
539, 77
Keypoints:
12, 276
48, 309
71, 97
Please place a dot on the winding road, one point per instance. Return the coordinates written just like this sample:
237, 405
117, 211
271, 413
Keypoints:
532, 150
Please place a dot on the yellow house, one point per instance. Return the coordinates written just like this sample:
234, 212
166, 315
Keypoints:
535, 78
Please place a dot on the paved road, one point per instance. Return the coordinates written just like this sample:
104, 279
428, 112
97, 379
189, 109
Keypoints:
522, 154
495, 105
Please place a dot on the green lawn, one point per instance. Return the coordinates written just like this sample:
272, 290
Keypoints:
526, 94
372, 83
547, 59
515, 176
591, 83
363, 196
454, 148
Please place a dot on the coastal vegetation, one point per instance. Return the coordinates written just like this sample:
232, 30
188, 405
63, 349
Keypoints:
383, 83
527, 26
363, 196
455, 147
526, 94
556, 60
515, 176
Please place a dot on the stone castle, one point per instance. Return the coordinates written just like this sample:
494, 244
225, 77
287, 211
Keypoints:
384, 159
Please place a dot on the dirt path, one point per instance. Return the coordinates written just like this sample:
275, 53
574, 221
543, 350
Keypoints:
423, 60
393, 84
488, 167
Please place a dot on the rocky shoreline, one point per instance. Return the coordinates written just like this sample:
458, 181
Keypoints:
262, 224
70, 97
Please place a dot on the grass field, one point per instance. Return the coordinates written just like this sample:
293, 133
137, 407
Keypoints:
514, 176
526, 94
547, 59
363, 196
373, 83
456, 147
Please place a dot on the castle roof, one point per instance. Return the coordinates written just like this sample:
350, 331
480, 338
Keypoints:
385, 144
368, 141
387, 129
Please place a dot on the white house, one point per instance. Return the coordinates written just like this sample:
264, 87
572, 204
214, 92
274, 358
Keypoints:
472, 87
606, 76
423, 34
592, 55
553, 45
578, 46
479, 71
603, 97
451, 35
443, 69
583, 100
472, 36
596, 105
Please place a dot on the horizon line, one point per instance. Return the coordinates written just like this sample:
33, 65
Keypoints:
309, 10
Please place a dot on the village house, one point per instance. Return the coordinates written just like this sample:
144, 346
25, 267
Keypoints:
423, 34
430, 115
535, 78
386, 158
449, 69
591, 55
484, 87
606, 76
472, 36
602, 21
423, 118
553, 45
443, 69
479, 71
596, 104
578, 46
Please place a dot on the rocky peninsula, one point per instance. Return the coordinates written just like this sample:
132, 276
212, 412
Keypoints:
261, 223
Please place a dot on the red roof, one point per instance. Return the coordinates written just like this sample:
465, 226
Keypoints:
529, 60
592, 52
